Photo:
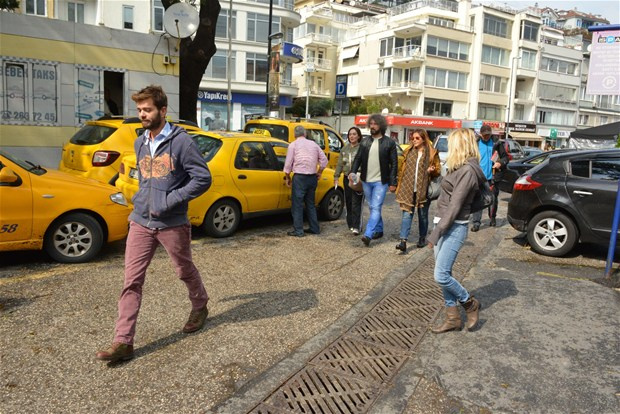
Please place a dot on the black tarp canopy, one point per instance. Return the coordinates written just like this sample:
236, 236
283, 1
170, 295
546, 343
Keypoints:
603, 136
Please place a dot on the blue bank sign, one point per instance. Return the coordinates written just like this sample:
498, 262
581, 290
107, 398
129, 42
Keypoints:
291, 53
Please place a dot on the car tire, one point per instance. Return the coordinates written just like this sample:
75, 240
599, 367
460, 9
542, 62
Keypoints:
552, 233
332, 205
222, 219
74, 238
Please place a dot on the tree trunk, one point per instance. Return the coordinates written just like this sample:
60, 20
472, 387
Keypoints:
194, 57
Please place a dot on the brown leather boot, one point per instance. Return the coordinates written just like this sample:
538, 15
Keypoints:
451, 323
117, 352
472, 306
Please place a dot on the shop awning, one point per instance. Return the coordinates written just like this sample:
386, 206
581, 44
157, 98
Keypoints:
350, 52
530, 136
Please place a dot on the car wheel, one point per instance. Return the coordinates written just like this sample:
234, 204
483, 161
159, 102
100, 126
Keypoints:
222, 219
74, 238
552, 233
332, 205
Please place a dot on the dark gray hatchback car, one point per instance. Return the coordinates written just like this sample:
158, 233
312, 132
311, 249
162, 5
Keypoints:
569, 197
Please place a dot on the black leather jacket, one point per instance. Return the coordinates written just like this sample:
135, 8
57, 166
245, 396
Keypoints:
388, 159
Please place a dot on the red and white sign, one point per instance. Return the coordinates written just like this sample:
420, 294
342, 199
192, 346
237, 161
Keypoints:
410, 121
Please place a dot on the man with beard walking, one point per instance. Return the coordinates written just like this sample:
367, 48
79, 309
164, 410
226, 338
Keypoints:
378, 160
172, 172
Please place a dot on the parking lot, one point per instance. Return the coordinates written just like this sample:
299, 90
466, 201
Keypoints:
270, 294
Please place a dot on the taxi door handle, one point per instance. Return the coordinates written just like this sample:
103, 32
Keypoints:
582, 193
242, 177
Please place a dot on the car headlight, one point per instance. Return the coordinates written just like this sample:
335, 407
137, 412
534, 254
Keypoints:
119, 198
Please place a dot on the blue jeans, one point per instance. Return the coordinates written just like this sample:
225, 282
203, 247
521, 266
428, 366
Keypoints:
304, 188
375, 194
446, 250
405, 225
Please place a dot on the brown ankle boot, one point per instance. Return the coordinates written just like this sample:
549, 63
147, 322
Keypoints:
451, 323
472, 306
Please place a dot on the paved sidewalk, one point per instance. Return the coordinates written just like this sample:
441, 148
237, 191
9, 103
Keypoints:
547, 342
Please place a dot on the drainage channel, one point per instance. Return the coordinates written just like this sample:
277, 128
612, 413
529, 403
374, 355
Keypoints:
352, 372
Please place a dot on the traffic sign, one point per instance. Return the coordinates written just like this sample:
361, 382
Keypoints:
341, 86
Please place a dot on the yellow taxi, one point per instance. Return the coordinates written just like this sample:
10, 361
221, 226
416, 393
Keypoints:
324, 135
96, 150
67, 216
248, 181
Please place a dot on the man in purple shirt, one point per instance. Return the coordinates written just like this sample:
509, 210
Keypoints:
302, 157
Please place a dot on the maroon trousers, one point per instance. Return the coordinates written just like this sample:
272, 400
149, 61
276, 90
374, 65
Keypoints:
139, 251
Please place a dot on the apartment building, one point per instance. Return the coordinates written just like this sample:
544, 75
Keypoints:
249, 29
451, 63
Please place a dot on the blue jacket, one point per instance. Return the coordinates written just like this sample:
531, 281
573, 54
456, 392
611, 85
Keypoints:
168, 181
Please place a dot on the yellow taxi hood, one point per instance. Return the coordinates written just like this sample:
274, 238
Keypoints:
55, 176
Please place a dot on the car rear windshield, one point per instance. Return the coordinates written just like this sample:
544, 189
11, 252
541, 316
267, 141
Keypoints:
276, 131
207, 146
92, 134
442, 145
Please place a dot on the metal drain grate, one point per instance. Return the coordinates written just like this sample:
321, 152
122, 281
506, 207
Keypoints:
361, 359
349, 375
322, 391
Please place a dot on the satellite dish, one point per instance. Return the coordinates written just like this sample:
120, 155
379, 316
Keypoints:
181, 20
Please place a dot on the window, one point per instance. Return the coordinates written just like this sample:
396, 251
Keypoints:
495, 26
385, 78
255, 67
490, 83
555, 117
490, 112
217, 66
584, 119
438, 21
519, 112
529, 31
557, 93
258, 26
36, 7
128, 17
29, 92
75, 12
221, 30
317, 136
437, 108
528, 59
494, 56
158, 16
607, 170
254, 156
447, 48
386, 47
334, 143
555, 65
442, 78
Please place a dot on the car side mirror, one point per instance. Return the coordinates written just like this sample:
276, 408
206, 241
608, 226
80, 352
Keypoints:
7, 176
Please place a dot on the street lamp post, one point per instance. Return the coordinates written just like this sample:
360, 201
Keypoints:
309, 69
510, 93
277, 35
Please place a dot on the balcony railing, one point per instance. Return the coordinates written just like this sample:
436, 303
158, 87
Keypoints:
287, 4
319, 64
321, 38
438, 4
408, 52
402, 85
524, 96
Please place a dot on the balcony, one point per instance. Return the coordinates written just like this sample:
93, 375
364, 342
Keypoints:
438, 4
317, 39
524, 97
320, 15
407, 56
319, 65
408, 88
410, 30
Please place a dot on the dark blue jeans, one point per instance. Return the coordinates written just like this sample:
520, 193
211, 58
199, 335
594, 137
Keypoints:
407, 219
304, 188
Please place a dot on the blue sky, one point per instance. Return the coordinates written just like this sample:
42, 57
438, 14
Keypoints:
609, 9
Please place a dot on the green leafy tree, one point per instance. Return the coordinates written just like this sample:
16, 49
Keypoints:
9, 5
316, 107
195, 55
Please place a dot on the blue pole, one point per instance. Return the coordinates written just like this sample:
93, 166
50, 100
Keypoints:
614, 235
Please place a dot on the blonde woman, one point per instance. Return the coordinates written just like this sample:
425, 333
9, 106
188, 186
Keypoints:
420, 165
453, 208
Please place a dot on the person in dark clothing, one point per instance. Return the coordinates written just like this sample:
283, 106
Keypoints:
378, 160
493, 162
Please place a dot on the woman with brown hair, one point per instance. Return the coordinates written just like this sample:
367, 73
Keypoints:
420, 165
353, 199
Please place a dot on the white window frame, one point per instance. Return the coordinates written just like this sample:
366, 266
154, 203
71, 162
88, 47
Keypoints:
35, 6
78, 12
158, 8
128, 12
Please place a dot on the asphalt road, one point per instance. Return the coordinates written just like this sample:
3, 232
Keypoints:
271, 295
